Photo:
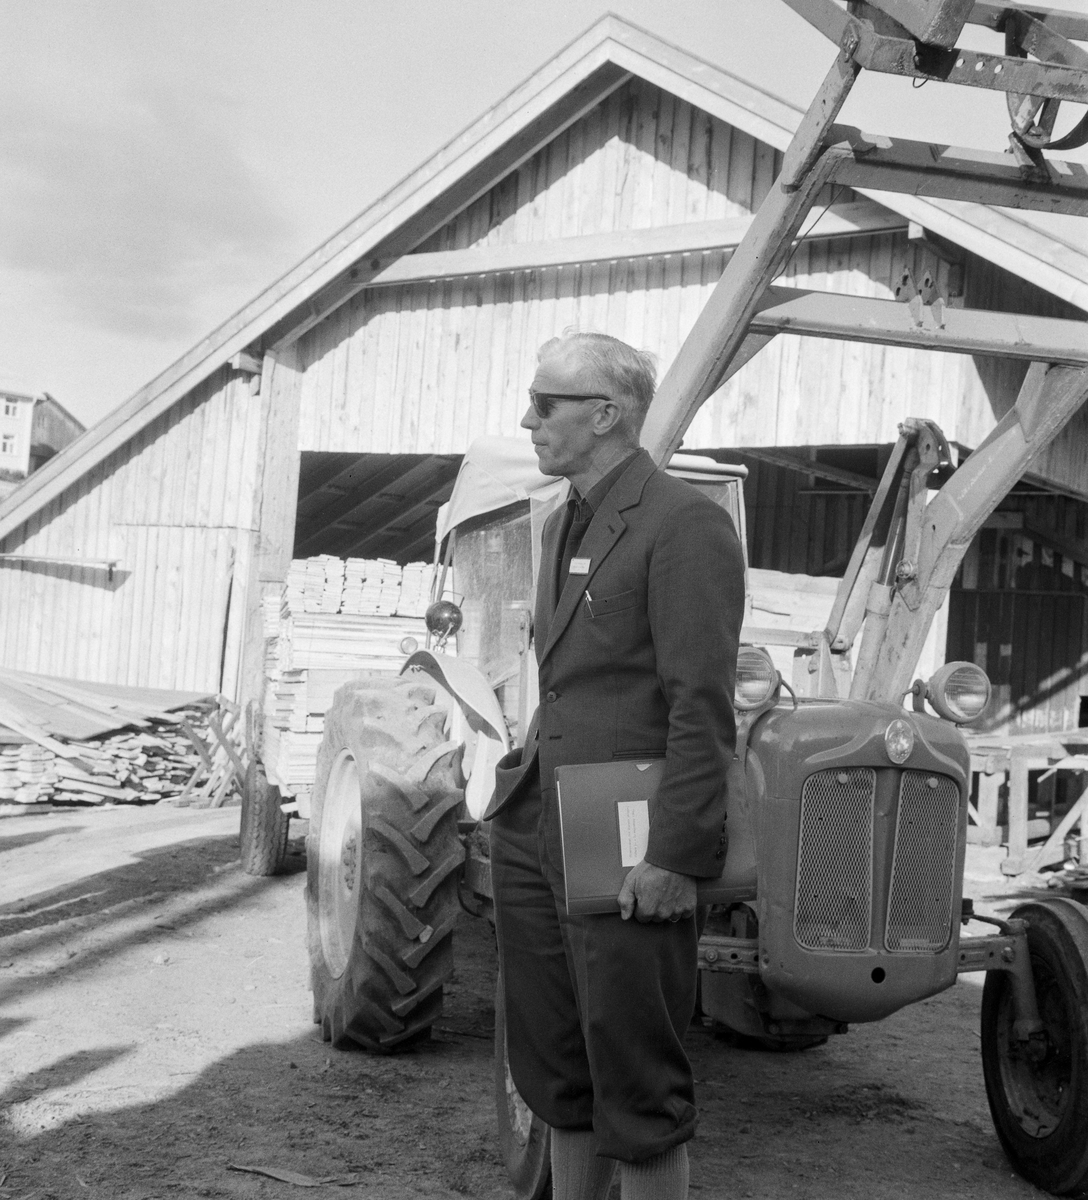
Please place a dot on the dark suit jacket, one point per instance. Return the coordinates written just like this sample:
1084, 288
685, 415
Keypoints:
638, 657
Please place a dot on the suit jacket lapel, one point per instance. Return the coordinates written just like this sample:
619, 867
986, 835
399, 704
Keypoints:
603, 533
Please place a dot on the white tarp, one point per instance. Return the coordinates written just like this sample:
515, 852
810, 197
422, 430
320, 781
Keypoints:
496, 472
499, 471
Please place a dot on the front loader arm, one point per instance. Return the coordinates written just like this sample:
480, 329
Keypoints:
1049, 397
909, 552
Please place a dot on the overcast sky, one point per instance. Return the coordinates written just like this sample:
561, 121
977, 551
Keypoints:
163, 160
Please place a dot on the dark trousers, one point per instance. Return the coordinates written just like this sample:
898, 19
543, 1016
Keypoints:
596, 1007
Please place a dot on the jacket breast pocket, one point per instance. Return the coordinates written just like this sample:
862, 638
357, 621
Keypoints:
606, 606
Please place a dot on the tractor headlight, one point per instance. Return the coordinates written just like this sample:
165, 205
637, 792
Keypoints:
959, 692
757, 678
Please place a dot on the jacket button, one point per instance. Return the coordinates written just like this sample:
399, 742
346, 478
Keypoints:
552, 697
719, 854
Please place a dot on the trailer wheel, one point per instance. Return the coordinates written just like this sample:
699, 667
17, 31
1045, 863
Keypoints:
524, 1139
382, 858
262, 836
1038, 1091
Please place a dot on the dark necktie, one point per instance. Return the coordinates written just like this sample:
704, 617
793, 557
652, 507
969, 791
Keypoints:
580, 516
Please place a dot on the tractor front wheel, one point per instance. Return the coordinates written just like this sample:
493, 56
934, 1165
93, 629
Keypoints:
382, 858
1038, 1088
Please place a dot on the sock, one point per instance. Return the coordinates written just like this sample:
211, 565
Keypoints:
663, 1177
577, 1171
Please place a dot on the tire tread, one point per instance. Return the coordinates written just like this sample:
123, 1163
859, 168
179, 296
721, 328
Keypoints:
412, 789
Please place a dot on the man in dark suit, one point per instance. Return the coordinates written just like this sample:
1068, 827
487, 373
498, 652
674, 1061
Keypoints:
638, 612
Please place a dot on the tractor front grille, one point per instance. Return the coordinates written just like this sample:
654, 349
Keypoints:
834, 903
923, 865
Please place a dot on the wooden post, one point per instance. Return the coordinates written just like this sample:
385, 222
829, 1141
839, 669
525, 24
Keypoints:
1013, 863
989, 769
989, 798
274, 505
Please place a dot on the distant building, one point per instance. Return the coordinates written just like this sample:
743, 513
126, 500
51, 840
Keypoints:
33, 427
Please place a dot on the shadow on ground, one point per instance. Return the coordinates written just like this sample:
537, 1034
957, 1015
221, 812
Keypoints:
16, 840
415, 1124
889, 1110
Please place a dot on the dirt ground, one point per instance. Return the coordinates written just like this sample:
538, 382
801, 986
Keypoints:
156, 1036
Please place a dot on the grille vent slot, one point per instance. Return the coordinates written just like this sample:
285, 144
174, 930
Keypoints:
923, 866
834, 903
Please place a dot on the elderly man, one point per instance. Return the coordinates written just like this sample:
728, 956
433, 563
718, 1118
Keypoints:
638, 613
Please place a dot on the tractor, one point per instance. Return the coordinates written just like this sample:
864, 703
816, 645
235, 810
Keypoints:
847, 822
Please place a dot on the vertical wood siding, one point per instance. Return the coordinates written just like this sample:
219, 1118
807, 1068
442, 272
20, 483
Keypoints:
169, 507
1019, 608
426, 367
791, 527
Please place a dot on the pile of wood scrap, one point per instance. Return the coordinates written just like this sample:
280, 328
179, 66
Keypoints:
65, 742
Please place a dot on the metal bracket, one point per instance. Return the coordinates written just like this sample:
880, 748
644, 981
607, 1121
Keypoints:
1033, 116
933, 453
729, 954
1007, 952
920, 300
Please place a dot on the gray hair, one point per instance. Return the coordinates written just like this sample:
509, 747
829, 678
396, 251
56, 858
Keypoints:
627, 375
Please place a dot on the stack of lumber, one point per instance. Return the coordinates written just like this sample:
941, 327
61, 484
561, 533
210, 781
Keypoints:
372, 588
364, 587
415, 590
337, 618
290, 759
315, 584
66, 742
378, 605
295, 710
336, 641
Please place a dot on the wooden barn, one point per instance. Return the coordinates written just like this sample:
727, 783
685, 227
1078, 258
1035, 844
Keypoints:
330, 414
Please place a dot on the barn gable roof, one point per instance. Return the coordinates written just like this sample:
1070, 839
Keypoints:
562, 91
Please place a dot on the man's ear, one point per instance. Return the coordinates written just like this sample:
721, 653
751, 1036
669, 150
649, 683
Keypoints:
607, 417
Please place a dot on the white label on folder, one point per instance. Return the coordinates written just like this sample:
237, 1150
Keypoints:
634, 818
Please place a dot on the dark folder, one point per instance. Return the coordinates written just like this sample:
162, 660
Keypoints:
604, 820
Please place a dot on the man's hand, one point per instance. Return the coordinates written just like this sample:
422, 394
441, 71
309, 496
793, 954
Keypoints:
652, 893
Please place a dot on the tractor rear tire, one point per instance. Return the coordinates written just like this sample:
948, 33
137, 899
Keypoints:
262, 837
1038, 1094
383, 854
524, 1139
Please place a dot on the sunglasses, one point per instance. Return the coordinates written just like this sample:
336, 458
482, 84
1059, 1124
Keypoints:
544, 402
